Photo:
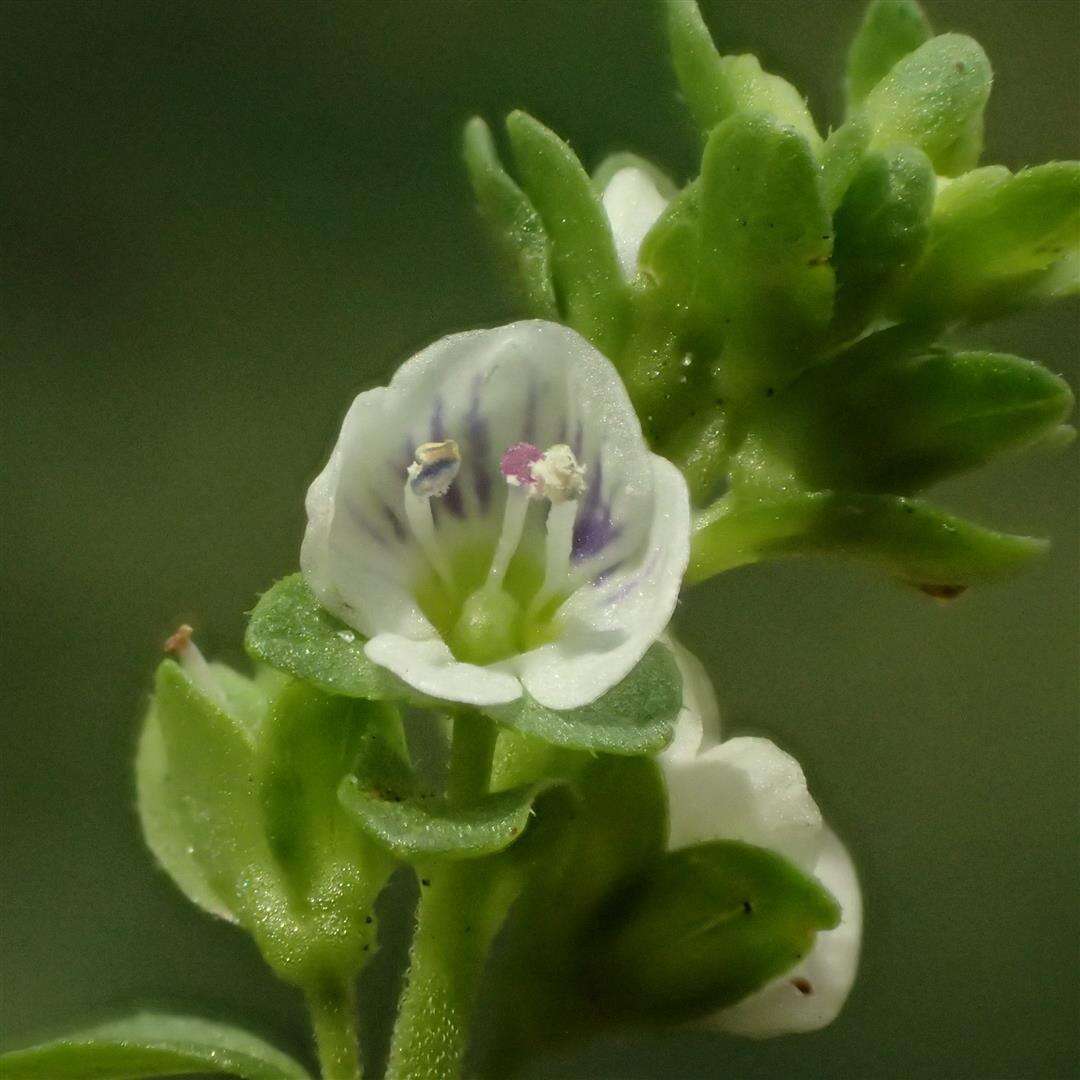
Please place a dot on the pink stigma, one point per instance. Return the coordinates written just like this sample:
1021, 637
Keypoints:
517, 463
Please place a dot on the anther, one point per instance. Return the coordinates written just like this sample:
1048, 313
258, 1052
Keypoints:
435, 468
558, 475
430, 475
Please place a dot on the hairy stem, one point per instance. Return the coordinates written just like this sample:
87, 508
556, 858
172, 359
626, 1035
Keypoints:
332, 1005
455, 923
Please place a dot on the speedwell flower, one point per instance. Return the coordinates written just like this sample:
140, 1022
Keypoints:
748, 789
493, 521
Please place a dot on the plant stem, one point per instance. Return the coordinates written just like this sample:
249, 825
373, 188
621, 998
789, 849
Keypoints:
332, 1005
456, 920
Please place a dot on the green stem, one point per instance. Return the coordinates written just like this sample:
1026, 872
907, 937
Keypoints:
332, 1005
457, 918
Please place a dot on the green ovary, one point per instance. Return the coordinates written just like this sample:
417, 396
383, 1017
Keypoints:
484, 624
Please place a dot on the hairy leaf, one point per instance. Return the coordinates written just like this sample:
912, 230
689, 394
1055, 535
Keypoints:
718, 86
934, 99
586, 270
291, 631
765, 285
703, 928
148, 1045
633, 717
512, 219
890, 30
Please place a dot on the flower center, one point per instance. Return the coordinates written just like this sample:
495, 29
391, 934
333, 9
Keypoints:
510, 606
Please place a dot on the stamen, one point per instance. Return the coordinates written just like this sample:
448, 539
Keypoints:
194, 664
516, 466
430, 475
435, 468
558, 474
517, 506
562, 480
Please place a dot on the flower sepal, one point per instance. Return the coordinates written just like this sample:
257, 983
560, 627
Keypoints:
237, 787
705, 927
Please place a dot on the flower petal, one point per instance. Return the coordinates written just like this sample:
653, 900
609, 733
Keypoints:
744, 789
632, 204
811, 995
430, 667
608, 626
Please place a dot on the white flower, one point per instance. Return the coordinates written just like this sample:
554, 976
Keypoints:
748, 789
633, 204
493, 520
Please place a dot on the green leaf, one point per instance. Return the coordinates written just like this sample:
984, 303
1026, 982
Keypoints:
309, 742
513, 220
765, 283
890, 30
163, 824
670, 251
934, 99
291, 631
907, 538
994, 236
633, 717
422, 828
900, 424
603, 174
148, 1045
718, 86
255, 815
586, 270
844, 151
702, 929
210, 793
881, 228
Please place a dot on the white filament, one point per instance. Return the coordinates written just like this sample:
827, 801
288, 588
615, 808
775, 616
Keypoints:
517, 506
418, 514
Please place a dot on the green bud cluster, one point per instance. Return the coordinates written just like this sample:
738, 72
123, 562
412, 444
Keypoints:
784, 337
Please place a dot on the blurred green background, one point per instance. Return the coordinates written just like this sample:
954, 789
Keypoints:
222, 220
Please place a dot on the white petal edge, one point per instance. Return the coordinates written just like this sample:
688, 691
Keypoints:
430, 667
632, 204
745, 789
781, 1008
602, 643
697, 726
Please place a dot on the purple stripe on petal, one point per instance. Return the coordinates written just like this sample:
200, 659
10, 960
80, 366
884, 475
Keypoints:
634, 581
438, 427
395, 523
579, 441
594, 528
601, 579
479, 447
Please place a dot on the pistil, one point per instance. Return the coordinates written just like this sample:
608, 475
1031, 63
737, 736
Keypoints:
194, 664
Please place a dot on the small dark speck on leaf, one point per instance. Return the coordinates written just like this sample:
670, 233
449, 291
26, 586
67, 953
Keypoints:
741, 221
943, 592
960, 66
366, 948
425, 881
769, 391
369, 920
747, 907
